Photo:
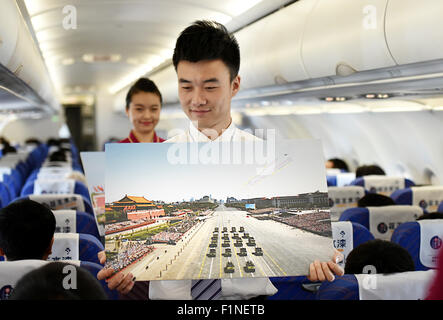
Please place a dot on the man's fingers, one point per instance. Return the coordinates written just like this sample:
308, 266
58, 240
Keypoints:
327, 272
127, 285
336, 269
105, 273
319, 270
102, 257
312, 274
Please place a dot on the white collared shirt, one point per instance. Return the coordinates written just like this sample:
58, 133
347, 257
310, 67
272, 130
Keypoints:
241, 288
231, 133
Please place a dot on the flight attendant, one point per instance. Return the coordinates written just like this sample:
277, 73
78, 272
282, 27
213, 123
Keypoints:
143, 105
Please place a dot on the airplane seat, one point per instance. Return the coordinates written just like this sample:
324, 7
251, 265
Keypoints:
293, 288
5, 195
412, 285
340, 179
440, 207
62, 201
71, 221
60, 186
12, 271
347, 235
75, 246
382, 221
384, 185
427, 197
12, 178
342, 198
422, 239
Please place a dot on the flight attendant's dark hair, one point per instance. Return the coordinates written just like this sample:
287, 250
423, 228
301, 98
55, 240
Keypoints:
208, 40
142, 85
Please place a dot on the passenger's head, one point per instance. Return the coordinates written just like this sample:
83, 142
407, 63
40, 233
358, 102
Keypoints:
375, 200
34, 141
207, 61
58, 156
143, 105
369, 170
336, 163
385, 256
26, 230
58, 281
431, 215
7, 148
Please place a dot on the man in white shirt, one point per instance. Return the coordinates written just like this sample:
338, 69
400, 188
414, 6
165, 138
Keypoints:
207, 61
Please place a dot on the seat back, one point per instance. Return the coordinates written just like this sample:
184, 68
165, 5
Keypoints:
422, 239
347, 235
382, 221
412, 285
342, 198
384, 185
340, 179
75, 246
12, 271
427, 197
71, 221
440, 207
55, 186
292, 288
63, 201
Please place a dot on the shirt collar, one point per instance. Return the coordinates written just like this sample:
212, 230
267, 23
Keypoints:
196, 136
133, 139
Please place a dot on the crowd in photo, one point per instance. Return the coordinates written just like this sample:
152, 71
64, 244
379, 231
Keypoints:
318, 222
129, 253
174, 233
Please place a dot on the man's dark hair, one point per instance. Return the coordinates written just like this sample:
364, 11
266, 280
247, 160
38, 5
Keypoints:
431, 215
142, 85
375, 200
46, 283
369, 170
385, 256
208, 40
26, 230
339, 164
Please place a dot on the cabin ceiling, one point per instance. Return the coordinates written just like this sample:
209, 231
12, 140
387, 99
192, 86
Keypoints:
114, 38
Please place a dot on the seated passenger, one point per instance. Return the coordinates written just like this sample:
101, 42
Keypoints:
57, 281
369, 170
337, 164
432, 215
375, 200
385, 256
7, 148
26, 231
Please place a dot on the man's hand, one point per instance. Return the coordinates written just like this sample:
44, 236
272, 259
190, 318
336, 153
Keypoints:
120, 282
321, 271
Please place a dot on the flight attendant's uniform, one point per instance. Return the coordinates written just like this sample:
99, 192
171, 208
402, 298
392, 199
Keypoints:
132, 139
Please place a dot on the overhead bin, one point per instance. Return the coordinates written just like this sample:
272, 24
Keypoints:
271, 47
20, 55
343, 36
414, 30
